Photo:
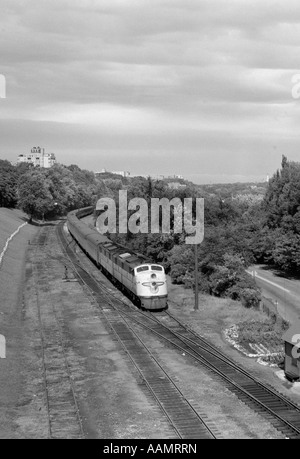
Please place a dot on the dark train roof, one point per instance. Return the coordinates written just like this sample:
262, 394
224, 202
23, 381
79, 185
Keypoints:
96, 237
126, 255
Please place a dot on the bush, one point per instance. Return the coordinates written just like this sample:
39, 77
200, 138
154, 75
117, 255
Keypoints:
249, 297
267, 333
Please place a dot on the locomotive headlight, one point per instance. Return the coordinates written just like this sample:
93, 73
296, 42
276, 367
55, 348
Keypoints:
153, 276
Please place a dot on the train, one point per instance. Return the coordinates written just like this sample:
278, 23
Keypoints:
143, 281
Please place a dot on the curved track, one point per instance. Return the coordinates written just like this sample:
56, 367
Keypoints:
280, 412
185, 420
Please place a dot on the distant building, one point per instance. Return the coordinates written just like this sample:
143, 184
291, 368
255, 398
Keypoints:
176, 185
123, 173
105, 171
166, 178
152, 176
176, 176
38, 157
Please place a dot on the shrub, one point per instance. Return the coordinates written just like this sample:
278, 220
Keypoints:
250, 298
267, 333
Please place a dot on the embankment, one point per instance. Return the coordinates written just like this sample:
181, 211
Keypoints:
12, 269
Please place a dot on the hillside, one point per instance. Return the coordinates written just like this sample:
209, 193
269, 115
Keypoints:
233, 190
10, 220
12, 281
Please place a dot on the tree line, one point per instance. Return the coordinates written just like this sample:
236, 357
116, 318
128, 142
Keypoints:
244, 224
278, 242
223, 255
47, 193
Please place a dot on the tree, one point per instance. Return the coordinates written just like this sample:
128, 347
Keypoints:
34, 191
282, 216
282, 199
8, 184
62, 187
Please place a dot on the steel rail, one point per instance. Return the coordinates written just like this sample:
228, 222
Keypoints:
207, 347
184, 419
252, 390
256, 391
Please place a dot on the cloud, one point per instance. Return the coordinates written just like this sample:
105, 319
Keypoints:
170, 72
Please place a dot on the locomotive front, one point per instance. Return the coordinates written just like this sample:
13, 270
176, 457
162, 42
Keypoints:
151, 286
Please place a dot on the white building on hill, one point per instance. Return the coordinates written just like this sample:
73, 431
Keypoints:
123, 173
38, 157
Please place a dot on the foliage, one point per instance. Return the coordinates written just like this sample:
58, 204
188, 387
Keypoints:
46, 193
220, 273
281, 207
8, 179
35, 196
223, 255
268, 333
9, 175
244, 223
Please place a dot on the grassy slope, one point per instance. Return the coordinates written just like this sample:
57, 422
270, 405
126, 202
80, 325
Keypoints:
10, 220
12, 280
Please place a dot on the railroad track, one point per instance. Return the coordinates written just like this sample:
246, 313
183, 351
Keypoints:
185, 420
279, 411
62, 408
283, 414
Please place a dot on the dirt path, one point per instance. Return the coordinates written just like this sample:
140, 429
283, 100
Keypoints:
12, 327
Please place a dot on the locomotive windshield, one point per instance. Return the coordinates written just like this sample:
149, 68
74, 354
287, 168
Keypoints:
142, 268
156, 268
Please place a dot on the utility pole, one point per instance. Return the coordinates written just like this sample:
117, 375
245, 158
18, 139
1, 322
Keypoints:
196, 277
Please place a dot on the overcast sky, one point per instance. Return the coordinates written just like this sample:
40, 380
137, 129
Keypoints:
201, 88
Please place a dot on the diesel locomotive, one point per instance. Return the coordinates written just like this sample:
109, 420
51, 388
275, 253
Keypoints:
143, 281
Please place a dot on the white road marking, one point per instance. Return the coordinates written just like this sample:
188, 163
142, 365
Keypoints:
8, 241
269, 282
2, 347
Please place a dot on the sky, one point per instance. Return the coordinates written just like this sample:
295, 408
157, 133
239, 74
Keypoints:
207, 89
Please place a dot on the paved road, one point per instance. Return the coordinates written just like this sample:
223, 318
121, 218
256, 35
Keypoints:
285, 291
